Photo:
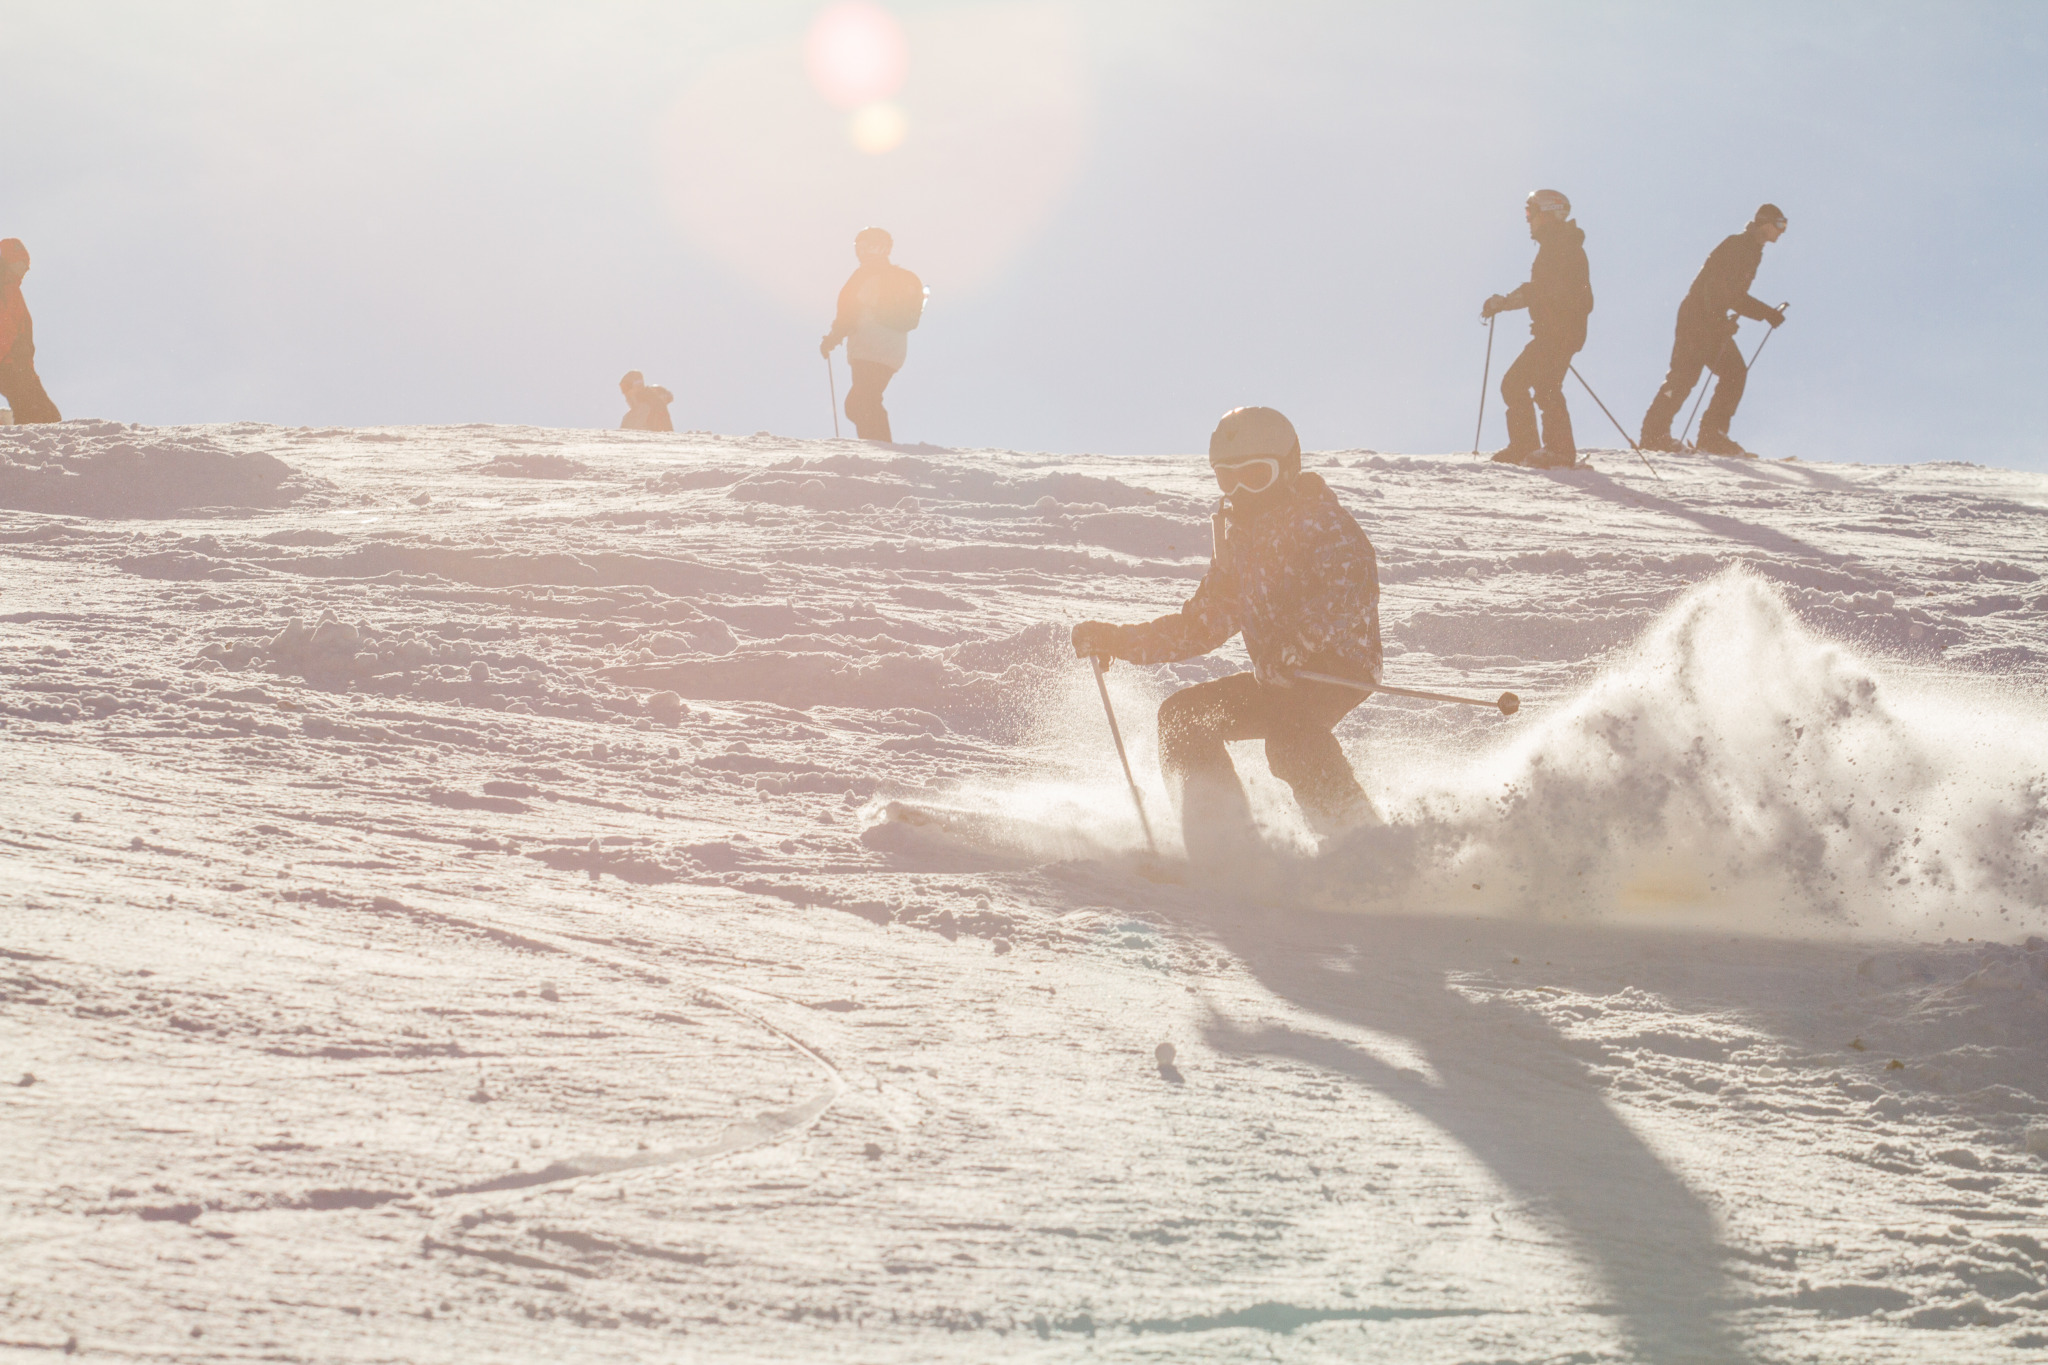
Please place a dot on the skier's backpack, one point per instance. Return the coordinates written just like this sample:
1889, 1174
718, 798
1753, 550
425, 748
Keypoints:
902, 303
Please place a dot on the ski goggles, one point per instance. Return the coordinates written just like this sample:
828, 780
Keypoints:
1248, 476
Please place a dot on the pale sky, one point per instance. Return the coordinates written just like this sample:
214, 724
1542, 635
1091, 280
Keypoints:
1131, 216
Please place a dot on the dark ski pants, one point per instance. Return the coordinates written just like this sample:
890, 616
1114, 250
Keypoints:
1536, 380
864, 399
1701, 344
24, 393
1295, 722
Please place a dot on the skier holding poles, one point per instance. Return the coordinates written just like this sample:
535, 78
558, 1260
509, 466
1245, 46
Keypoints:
1559, 297
1707, 321
1293, 572
879, 305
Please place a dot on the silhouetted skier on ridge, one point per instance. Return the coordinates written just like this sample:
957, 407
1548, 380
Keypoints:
878, 306
1297, 576
1559, 297
1706, 337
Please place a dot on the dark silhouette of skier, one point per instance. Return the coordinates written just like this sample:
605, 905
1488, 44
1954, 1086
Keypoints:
1707, 321
646, 404
1559, 297
19, 384
1294, 573
878, 306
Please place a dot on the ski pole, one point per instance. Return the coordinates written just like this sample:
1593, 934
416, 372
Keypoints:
1700, 398
832, 386
1750, 365
1617, 425
1485, 377
1137, 797
1507, 703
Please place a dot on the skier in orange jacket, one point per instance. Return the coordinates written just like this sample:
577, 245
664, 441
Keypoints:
19, 384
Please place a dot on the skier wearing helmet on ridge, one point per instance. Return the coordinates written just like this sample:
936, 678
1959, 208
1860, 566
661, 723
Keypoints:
1705, 338
1294, 573
879, 305
1559, 297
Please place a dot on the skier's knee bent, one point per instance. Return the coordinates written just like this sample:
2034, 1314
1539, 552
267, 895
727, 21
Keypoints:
1298, 577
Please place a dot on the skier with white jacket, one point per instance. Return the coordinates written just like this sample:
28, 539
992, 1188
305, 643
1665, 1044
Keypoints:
878, 306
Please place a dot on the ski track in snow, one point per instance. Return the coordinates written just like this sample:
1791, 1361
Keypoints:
453, 912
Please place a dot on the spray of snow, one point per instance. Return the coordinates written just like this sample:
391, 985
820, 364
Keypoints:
1734, 766
1730, 767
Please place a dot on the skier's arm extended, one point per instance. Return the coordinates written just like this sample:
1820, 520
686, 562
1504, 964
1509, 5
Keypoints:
1729, 272
1508, 302
1202, 623
847, 315
1757, 310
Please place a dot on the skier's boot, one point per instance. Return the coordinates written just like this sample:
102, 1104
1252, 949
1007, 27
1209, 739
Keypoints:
1717, 443
1216, 824
1660, 441
1340, 819
1546, 458
1523, 441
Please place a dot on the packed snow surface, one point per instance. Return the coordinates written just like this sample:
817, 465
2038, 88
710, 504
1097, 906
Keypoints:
488, 893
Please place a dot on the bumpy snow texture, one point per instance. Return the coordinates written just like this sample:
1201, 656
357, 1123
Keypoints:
489, 893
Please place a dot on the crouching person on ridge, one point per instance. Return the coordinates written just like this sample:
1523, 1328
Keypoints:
1297, 576
646, 404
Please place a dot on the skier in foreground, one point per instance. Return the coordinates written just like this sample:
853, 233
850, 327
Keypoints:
878, 307
1706, 337
1297, 576
1559, 297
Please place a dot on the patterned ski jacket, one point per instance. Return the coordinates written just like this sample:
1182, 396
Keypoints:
1300, 581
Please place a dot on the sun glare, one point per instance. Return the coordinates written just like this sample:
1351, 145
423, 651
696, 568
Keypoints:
878, 128
768, 155
856, 56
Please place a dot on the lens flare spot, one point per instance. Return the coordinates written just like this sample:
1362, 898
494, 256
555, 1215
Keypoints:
879, 127
856, 56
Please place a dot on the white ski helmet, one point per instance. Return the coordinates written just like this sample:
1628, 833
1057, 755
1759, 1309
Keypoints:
1247, 433
1551, 202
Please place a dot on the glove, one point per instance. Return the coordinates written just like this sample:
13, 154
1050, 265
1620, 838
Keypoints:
1096, 640
1495, 303
1271, 674
826, 346
1732, 324
1279, 671
1775, 316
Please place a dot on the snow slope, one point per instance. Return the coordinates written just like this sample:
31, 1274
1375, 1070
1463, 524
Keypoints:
458, 906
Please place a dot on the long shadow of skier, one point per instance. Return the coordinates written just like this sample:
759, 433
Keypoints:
1512, 1094
1727, 527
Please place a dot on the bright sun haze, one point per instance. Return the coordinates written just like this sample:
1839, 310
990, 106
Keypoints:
1131, 216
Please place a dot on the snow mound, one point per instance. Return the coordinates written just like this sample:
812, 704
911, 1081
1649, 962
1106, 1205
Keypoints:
106, 472
1733, 758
